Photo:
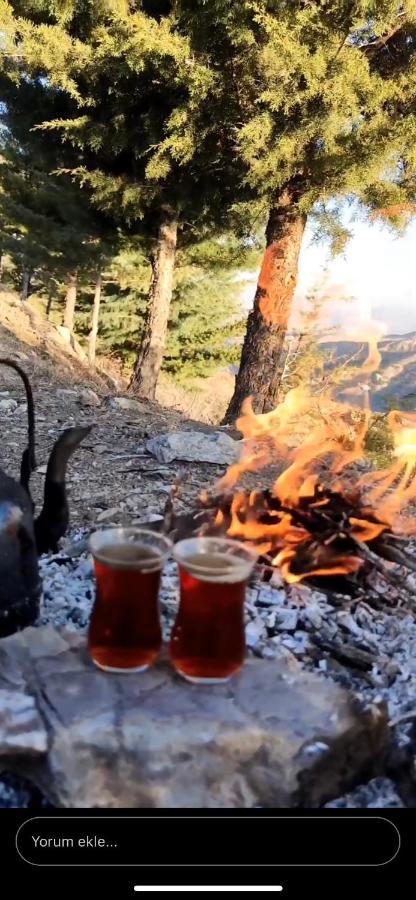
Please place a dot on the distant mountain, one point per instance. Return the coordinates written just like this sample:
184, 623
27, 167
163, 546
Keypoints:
394, 385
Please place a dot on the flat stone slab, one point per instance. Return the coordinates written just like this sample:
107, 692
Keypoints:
217, 447
272, 737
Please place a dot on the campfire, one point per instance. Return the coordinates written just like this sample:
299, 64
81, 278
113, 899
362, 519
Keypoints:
319, 516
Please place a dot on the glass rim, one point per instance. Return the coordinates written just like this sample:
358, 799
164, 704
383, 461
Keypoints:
120, 535
246, 561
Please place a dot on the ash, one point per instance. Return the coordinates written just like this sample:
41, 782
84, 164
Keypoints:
366, 644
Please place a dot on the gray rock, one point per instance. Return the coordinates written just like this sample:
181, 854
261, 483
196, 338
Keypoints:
21, 728
8, 405
286, 619
148, 519
153, 741
313, 616
269, 596
128, 403
88, 397
78, 616
107, 514
67, 392
195, 446
255, 631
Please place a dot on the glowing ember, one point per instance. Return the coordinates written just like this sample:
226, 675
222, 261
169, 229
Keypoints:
311, 524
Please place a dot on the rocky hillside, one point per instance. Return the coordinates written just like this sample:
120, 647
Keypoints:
112, 477
394, 385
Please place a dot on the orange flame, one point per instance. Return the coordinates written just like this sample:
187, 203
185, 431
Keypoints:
304, 435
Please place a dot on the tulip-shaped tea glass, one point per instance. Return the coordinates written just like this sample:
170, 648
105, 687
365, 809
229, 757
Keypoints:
208, 641
125, 632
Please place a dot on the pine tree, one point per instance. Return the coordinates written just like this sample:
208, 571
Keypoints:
327, 93
158, 153
206, 322
47, 224
185, 110
92, 338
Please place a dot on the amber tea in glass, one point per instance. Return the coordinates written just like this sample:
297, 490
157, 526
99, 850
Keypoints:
125, 632
208, 640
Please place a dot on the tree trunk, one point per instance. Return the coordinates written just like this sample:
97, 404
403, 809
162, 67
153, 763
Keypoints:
70, 301
92, 339
259, 373
26, 276
50, 299
150, 355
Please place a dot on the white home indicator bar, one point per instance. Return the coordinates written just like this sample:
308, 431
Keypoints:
206, 887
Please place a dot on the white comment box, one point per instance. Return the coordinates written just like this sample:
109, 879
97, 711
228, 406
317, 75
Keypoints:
206, 887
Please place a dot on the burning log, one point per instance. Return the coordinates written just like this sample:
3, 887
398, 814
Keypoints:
322, 521
321, 542
327, 536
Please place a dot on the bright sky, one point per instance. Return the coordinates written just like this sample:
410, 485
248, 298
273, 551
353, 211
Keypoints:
377, 271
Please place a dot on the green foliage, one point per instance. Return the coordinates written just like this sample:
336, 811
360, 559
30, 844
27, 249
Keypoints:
43, 224
46, 223
206, 323
379, 442
123, 304
213, 106
206, 328
145, 111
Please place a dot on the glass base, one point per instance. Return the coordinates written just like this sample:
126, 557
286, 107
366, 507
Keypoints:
117, 671
195, 680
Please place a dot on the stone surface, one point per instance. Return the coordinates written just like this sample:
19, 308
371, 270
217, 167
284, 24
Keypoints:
107, 514
271, 737
21, 728
128, 403
8, 405
67, 393
89, 397
195, 446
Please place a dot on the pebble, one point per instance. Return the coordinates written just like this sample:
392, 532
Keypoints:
271, 620
254, 632
8, 405
151, 517
108, 514
312, 614
379, 793
269, 597
78, 616
128, 403
89, 398
66, 392
286, 619
316, 749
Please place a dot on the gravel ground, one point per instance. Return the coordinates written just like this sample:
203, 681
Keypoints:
379, 646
